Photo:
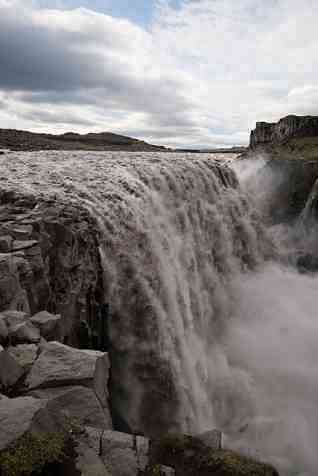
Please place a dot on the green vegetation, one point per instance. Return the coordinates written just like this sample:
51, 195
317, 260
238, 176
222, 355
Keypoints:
305, 148
189, 456
31, 453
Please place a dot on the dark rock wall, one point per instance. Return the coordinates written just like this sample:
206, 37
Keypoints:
49, 260
290, 126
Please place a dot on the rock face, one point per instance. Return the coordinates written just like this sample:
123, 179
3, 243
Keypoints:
49, 260
289, 127
18, 415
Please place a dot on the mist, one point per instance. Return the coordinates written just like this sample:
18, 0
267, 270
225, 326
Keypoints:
271, 350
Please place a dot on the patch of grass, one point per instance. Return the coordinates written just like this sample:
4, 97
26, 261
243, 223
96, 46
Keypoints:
31, 453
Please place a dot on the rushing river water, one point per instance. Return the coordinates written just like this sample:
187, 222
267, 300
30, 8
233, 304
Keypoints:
208, 329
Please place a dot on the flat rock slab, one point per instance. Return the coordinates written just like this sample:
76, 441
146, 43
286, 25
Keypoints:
16, 417
60, 365
47, 323
78, 403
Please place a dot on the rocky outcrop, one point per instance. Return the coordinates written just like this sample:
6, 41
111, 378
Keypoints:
49, 260
189, 456
287, 128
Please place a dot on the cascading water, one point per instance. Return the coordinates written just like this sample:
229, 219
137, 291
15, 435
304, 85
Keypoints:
205, 329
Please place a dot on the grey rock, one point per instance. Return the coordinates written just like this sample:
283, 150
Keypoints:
80, 404
24, 354
88, 462
10, 370
48, 324
123, 454
22, 232
60, 365
286, 128
13, 318
24, 333
15, 272
4, 333
6, 244
21, 415
23, 244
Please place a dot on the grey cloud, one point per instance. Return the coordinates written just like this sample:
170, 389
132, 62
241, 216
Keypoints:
57, 68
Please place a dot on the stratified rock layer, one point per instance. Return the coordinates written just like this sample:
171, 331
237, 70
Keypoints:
289, 127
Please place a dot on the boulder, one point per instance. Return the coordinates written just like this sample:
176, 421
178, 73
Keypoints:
124, 454
80, 404
20, 415
13, 318
24, 354
88, 462
48, 324
24, 333
10, 370
60, 365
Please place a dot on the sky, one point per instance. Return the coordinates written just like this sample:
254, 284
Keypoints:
181, 73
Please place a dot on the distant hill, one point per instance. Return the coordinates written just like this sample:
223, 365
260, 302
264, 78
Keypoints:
23, 140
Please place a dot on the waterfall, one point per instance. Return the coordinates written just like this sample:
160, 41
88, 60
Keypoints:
208, 326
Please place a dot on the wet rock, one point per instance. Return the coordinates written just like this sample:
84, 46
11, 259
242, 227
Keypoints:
77, 403
24, 333
10, 370
24, 354
48, 324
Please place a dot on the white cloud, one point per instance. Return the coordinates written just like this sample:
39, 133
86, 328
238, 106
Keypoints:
201, 75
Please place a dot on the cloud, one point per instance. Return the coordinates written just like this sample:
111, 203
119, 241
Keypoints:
201, 74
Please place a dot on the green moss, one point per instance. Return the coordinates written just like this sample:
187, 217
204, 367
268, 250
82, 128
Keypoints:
189, 456
31, 453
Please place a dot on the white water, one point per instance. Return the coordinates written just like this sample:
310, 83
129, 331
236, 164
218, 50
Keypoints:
195, 283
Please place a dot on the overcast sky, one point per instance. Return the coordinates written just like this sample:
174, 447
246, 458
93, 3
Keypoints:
179, 73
